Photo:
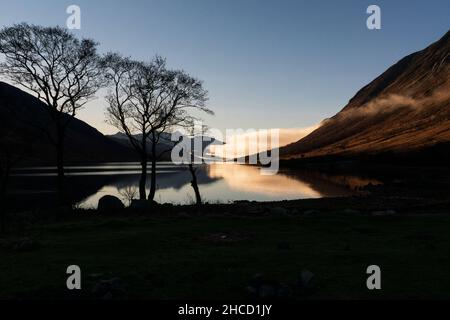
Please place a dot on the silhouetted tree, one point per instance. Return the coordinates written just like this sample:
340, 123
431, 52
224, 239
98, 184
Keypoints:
193, 157
128, 194
61, 70
146, 100
194, 183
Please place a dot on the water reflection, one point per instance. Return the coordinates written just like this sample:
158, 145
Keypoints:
247, 179
218, 183
225, 183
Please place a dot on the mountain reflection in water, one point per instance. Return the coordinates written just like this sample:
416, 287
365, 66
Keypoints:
218, 183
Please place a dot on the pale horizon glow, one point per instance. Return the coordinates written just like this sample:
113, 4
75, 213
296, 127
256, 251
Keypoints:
241, 145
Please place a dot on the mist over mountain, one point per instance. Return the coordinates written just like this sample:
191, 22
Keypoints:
404, 110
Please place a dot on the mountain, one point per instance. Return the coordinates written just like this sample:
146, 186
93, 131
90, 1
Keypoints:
22, 116
163, 147
165, 143
405, 110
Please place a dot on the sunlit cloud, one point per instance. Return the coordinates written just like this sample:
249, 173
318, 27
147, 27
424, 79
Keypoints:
243, 144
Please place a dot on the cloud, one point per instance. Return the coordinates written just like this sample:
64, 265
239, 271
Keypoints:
391, 102
253, 141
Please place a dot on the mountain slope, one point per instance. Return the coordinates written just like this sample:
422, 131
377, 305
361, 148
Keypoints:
405, 109
165, 144
23, 116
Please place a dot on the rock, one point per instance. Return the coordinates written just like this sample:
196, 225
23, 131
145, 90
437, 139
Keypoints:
109, 289
142, 204
384, 213
110, 203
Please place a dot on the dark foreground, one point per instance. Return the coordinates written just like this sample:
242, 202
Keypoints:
218, 251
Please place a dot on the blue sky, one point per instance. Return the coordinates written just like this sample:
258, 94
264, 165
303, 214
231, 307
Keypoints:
266, 64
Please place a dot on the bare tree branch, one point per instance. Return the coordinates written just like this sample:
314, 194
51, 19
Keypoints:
146, 100
59, 69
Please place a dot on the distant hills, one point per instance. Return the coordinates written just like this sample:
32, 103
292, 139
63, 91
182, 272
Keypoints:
24, 116
406, 110
165, 143
163, 147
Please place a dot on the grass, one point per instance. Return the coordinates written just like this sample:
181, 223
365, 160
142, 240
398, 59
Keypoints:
186, 257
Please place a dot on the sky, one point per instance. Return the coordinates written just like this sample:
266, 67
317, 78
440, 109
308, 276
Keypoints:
265, 64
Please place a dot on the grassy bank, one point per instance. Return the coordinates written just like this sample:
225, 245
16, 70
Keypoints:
182, 255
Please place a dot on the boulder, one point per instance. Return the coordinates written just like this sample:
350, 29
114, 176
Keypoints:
110, 203
142, 204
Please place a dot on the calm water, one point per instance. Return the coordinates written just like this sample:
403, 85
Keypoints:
218, 183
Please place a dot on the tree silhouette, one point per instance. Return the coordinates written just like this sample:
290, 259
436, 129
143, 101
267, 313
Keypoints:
194, 156
61, 70
146, 100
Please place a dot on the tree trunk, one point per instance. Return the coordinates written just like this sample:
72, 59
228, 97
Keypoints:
59, 145
143, 180
194, 184
151, 195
